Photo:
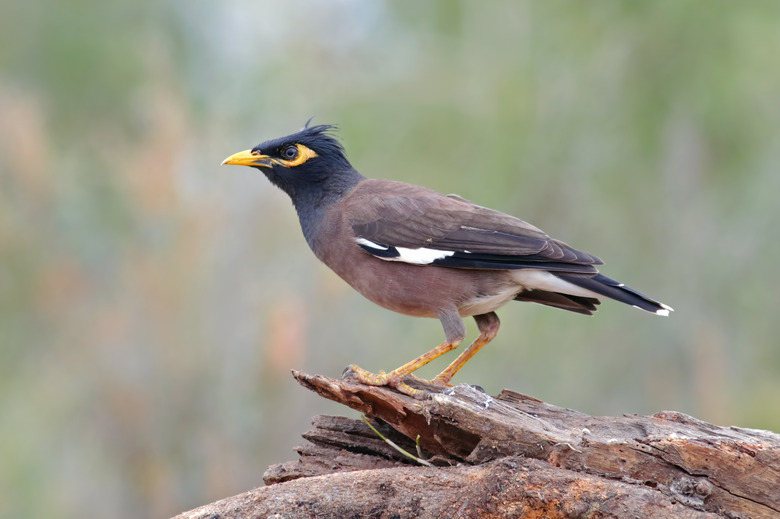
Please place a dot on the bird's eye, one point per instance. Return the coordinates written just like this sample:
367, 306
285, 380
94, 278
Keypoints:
290, 152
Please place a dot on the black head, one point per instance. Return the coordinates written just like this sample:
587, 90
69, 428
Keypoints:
310, 166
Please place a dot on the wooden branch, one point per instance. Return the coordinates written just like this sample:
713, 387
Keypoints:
511, 456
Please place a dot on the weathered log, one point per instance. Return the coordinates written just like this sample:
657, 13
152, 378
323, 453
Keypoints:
511, 456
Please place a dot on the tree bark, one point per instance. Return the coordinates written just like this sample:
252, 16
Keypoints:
511, 456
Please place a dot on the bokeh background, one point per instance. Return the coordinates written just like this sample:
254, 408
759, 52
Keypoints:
152, 303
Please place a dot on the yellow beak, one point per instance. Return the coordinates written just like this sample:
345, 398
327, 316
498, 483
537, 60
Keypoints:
249, 158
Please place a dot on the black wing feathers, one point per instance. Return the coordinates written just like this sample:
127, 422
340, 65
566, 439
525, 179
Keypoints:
499, 262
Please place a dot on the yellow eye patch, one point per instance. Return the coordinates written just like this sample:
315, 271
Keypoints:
304, 153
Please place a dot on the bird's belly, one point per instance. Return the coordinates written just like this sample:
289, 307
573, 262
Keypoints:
407, 289
423, 290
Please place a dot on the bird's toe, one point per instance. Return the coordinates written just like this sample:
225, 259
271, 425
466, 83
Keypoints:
395, 381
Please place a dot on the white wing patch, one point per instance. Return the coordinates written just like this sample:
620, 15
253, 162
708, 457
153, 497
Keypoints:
421, 256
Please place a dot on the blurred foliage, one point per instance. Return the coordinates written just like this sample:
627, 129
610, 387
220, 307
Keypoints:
152, 303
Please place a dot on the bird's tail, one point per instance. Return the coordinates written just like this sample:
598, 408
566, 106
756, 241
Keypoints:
616, 290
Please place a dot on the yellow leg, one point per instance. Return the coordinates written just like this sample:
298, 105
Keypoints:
488, 328
396, 377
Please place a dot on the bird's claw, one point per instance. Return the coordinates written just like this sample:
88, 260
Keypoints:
394, 380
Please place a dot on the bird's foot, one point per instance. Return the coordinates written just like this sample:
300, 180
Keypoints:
392, 379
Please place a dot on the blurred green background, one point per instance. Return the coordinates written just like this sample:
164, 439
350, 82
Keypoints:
152, 303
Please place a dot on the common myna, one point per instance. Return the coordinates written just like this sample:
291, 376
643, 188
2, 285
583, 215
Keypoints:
418, 252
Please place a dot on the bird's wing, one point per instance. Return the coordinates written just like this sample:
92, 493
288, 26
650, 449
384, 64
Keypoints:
401, 222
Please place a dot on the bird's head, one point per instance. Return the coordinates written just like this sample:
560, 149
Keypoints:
310, 165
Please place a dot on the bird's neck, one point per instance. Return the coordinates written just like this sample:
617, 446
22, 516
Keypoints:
312, 204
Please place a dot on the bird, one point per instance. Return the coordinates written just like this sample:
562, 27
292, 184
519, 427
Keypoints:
422, 253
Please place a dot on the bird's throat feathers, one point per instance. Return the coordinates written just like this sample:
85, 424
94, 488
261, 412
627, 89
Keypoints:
311, 199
